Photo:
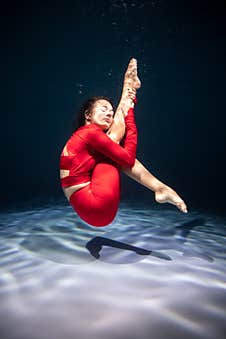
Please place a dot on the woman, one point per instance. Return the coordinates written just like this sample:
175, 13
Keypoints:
93, 157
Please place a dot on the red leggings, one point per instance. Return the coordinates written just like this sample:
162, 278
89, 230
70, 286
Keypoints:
97, 203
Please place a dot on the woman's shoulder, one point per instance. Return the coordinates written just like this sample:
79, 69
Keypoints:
88, 128
87, 131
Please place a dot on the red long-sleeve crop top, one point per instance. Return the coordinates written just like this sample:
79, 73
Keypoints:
89, 141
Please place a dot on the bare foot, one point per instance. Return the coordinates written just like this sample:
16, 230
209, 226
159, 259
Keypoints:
130, 85
167, 194
131, 79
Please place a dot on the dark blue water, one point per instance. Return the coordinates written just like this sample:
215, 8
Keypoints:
151, 274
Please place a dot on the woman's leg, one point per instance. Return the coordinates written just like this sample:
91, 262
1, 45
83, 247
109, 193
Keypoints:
138, 172
97, 203
163, 193
130, 84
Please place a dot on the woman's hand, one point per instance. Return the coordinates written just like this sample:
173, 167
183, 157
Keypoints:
131, 93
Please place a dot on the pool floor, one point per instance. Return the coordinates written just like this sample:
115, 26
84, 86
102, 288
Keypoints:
152, 273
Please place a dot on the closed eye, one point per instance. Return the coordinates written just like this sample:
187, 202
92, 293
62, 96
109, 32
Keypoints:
104, 108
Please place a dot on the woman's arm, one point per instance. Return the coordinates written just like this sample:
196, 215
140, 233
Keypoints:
163, 193
98, 141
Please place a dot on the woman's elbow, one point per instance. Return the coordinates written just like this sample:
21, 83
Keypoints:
129, 163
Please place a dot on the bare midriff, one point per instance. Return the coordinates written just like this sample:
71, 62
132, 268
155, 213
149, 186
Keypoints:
68, 191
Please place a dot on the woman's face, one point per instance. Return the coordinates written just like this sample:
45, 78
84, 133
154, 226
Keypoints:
101, 115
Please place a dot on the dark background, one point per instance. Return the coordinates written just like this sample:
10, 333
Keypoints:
55, 55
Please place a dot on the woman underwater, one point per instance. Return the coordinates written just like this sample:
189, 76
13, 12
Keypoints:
103, 145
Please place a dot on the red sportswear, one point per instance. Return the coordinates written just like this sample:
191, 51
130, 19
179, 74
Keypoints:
94, 157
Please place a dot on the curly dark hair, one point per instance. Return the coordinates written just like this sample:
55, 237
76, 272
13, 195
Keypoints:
79, 119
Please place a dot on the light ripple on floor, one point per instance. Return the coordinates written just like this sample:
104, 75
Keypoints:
52, 287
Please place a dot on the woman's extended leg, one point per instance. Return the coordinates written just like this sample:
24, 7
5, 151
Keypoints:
138, 172
130, 84
163, 193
